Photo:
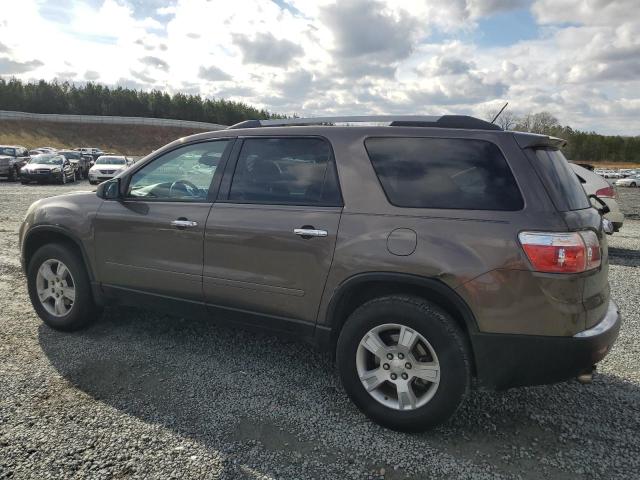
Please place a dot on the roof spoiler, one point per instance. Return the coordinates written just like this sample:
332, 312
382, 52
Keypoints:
534, 140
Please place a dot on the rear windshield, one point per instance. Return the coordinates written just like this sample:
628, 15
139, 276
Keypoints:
444, 173
561, 181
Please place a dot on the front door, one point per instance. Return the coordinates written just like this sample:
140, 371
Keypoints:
151, 240
270, 237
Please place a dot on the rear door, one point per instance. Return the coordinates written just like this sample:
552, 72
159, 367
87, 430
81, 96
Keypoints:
270, 237
151, 240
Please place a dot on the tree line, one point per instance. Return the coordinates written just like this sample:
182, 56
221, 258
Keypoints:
581, 146
95, 99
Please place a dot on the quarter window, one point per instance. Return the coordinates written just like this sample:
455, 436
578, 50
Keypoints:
444, 173
294, 171
184, 174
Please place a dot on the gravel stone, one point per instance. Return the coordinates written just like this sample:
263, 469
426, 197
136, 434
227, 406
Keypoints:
144, 395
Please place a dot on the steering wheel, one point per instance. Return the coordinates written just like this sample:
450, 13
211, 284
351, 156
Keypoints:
185, 186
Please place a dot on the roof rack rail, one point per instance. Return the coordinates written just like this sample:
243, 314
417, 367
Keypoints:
443, 121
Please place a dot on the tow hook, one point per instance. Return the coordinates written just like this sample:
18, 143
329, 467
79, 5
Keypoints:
586, 377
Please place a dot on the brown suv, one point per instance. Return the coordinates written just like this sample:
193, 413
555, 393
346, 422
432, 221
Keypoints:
421, 251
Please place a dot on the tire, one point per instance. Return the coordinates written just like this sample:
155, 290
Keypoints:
24, 182
13, 175
633, 184
92, 182
83, 310
435, 401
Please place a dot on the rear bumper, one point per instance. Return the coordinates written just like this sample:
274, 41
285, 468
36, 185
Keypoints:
504, 361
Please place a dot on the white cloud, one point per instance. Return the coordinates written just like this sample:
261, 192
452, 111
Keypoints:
352, 56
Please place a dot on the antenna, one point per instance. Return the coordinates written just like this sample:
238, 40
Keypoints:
498, 114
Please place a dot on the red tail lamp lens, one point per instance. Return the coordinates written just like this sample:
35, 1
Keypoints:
561, 252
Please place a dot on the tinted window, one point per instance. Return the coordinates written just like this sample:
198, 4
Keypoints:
183, 174
8, 151
562, 183
444, 173
296, 171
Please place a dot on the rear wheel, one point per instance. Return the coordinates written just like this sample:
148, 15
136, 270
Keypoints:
60, 289
633, 184
404, 362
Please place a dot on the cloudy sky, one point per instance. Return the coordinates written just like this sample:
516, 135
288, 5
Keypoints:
579, 59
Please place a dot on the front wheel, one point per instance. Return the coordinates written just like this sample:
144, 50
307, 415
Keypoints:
14, 174
404, 362
59, 288
633, 184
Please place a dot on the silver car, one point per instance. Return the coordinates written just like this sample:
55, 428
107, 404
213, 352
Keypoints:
594, 184
107, 167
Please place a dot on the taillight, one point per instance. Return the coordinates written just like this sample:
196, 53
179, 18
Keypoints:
605, 192
561, 252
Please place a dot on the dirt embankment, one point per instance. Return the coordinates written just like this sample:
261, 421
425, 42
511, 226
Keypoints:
122, 139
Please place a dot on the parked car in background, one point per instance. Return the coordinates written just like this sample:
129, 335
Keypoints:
47, 149
48, 168
594, 184
12, 159
422, 254
106, 167
630, 181
93, 151
37, 151
79, 161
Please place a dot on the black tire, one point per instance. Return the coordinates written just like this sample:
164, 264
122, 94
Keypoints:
24, 182
439, 329
84, 310
13, 175
92, 182
633, 184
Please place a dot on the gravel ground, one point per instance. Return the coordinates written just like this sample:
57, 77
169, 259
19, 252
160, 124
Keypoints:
141, 395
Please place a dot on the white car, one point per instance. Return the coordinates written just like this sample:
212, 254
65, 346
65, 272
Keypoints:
630, 181
594, 184
107, 167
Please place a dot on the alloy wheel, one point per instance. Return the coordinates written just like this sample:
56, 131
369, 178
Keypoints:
56, 287
397, 366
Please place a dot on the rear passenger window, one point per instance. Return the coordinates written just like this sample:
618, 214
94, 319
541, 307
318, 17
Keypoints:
444, 173
294, 171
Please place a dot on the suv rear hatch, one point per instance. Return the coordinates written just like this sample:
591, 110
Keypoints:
571, 202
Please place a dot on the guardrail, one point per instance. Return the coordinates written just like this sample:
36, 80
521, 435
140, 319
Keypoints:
106, 119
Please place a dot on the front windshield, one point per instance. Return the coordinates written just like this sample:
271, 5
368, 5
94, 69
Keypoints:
8, 151
110, 161
46, 160
71, 155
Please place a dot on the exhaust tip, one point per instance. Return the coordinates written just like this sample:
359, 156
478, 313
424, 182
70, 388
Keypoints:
586, 377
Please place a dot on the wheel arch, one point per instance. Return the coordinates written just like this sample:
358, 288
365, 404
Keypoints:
40, 235
360, 288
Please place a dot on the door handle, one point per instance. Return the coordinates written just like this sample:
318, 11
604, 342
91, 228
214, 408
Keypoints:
306, 232
182, 223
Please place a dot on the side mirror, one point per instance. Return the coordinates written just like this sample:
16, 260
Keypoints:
109, 190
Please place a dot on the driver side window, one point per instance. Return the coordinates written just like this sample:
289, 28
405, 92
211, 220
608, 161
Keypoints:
183, 174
